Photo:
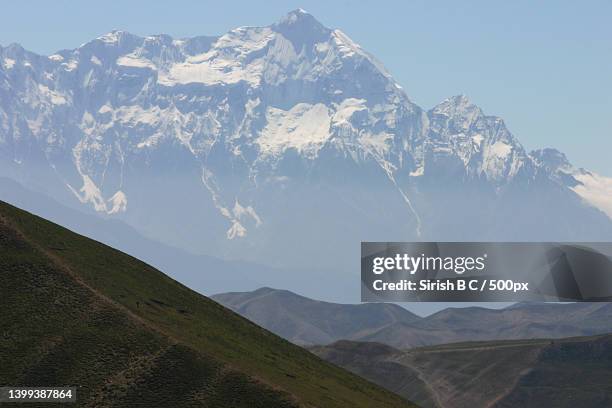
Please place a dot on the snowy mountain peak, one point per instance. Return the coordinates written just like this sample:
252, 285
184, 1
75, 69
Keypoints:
112, 36
461, 99
457, 106
13, 50
551, 159
456, 115
115, 37
301, 29
13, 47
298, 17
257, 126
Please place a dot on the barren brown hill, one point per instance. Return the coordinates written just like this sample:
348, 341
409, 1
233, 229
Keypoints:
566, 373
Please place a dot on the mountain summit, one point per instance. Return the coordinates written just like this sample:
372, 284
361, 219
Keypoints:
300, 24
286, 144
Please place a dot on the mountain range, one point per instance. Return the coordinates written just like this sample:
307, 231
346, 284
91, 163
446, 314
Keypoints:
282, 145
311, 322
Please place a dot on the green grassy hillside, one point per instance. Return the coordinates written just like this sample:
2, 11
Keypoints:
76, 312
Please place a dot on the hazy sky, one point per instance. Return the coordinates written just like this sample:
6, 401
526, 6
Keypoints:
544, 66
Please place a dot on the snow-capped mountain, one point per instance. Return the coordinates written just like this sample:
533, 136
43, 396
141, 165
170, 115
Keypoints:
280, 144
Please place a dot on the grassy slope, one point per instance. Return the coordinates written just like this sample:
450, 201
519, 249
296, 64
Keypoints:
77, 312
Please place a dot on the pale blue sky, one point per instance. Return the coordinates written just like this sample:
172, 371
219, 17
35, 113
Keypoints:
544, 66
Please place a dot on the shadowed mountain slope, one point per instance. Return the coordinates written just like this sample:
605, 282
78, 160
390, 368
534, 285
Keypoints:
572, 372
